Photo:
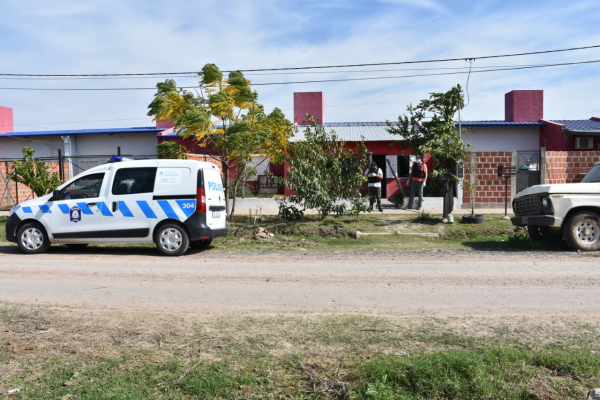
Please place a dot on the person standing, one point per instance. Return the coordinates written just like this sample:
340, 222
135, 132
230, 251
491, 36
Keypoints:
416, 181
374, 176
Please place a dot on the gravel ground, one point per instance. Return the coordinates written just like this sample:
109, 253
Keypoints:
439, 283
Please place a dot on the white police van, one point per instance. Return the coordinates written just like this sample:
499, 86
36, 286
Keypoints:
173, 203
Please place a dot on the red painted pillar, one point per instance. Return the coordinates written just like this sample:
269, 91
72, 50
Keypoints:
312, 103
6, 120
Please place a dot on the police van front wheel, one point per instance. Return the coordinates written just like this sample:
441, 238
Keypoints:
172, 240
32, 238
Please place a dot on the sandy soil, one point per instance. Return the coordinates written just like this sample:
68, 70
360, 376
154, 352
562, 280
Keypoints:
440, 283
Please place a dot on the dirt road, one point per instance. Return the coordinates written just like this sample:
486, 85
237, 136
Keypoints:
208, 283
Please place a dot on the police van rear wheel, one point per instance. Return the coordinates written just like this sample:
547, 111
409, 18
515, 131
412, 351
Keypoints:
172, 240
32, 238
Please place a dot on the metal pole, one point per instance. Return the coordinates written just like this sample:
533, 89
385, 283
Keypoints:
61, 172
506, 196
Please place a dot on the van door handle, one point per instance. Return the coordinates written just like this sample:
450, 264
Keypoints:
92, 204
115, 206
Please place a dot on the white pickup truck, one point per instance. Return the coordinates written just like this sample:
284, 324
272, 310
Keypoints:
571, 210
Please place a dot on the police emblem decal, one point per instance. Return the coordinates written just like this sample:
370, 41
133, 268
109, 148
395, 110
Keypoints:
75, 214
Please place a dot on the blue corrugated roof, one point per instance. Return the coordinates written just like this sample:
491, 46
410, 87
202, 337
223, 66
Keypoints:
112, 131
500, 123
579, 125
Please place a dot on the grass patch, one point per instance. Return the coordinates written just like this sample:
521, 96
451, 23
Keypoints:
314, 235
501, 373
61, 353
3, 228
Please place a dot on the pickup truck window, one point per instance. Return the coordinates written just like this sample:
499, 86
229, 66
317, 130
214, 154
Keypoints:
593, 175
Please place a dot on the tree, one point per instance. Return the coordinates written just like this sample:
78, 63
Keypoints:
225, 118
324, 171
429, 128
34, 174
171, 150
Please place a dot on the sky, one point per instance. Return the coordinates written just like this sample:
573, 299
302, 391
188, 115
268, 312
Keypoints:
143, 36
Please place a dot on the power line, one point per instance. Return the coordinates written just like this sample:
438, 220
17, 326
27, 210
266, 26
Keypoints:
323, 66
319, 81
269, 73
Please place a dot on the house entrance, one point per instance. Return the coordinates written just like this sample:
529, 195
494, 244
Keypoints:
528, 169
380, 160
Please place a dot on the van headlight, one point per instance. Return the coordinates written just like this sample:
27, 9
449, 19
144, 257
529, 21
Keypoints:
12, 210
544, 202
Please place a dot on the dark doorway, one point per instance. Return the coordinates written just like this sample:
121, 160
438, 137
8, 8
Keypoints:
380, 160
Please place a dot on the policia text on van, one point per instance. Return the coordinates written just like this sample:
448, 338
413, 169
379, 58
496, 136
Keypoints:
173, 203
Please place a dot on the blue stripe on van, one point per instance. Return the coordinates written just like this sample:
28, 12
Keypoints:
85, 209
146, 209
27, 210
124, 209
164, 204
64, 208
45, 208
104, 209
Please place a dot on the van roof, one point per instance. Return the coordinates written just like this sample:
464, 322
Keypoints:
151, 163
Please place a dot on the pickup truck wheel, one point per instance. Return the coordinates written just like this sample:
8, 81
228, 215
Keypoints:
172, 240
582, 231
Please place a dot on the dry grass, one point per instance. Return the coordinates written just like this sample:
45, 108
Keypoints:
61, 350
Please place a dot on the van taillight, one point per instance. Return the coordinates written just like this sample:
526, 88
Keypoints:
200, 200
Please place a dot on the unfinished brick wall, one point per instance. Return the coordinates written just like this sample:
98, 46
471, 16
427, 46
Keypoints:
202, 157
556, 166
490, 189
579, 163
569, 166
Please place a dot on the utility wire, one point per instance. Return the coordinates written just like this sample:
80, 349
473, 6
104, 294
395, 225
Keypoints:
319, 81
324, 66
267, 74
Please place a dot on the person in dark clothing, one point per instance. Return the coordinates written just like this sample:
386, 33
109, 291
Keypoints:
416, 181
374, 176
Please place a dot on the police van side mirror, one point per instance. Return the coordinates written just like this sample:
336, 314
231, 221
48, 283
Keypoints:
56, 195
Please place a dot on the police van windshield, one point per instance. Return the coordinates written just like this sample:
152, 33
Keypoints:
593, 175
87, 186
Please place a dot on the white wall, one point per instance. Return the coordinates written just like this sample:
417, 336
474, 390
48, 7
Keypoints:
133, 144
136, 145
503, 138
12, 148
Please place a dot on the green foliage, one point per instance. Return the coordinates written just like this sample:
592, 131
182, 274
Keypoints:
323, 171
429, 128
289, 212
34, 174
225, 118
171, 150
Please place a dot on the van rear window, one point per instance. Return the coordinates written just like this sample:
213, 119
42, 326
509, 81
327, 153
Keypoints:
134, 180
200, 182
